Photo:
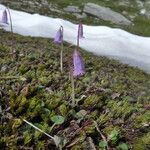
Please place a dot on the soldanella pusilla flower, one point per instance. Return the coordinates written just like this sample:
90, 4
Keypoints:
78, 68
4, 17
78, 64
58, 39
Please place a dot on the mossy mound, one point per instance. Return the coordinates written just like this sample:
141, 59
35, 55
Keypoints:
113, 99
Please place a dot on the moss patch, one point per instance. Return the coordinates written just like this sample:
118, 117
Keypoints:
32, 87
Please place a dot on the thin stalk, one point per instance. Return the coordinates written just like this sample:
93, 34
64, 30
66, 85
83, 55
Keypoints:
103, 137
61, 52
78, 37
70, 67
11, 27
61, 57
52, 127
12, 78
39, 129
73, 90
69, 75
55, 138
35, 73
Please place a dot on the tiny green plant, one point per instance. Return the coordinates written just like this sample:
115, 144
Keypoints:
114, 136
103, 144
122, 146
57, 120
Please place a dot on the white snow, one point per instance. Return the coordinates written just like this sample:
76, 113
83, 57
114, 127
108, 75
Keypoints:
101, 40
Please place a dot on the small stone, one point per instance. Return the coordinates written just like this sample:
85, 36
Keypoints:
115, 95
49, 90
142, 11
44, 2
81, 114
125, 13
4, 68
73, 9
80, 16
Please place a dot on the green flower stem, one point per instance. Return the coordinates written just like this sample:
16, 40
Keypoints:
61, 57
78, 42
73, 90
52, 127
11, 27
103, 137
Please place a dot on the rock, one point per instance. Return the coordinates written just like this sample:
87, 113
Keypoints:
56, 10
147, 5
106, 14
49, 90
147, 14
140, 4
132, 17
80, 16
73, 9
124, 12
124, 3
44, 2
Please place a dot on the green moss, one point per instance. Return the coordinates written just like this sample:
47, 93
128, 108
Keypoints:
103, 118
63, 110
142, 119
142, 143
46, 92
121, 109
93, 100
80, 142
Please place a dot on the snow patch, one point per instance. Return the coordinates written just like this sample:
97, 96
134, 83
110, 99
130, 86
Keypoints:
100, 40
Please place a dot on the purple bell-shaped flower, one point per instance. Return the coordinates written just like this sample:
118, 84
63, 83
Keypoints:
78, 64
58, 39
5, 17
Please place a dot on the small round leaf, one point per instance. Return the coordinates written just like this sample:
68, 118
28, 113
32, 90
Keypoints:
58, 119
103, 144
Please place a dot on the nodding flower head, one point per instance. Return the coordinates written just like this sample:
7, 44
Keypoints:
80, 30
78, 64
5, 17
58, 39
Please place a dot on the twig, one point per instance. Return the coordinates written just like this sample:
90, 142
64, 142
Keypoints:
11, 27
39, 129
92, 146
61, 58
73, 90
12, 77
103, 137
